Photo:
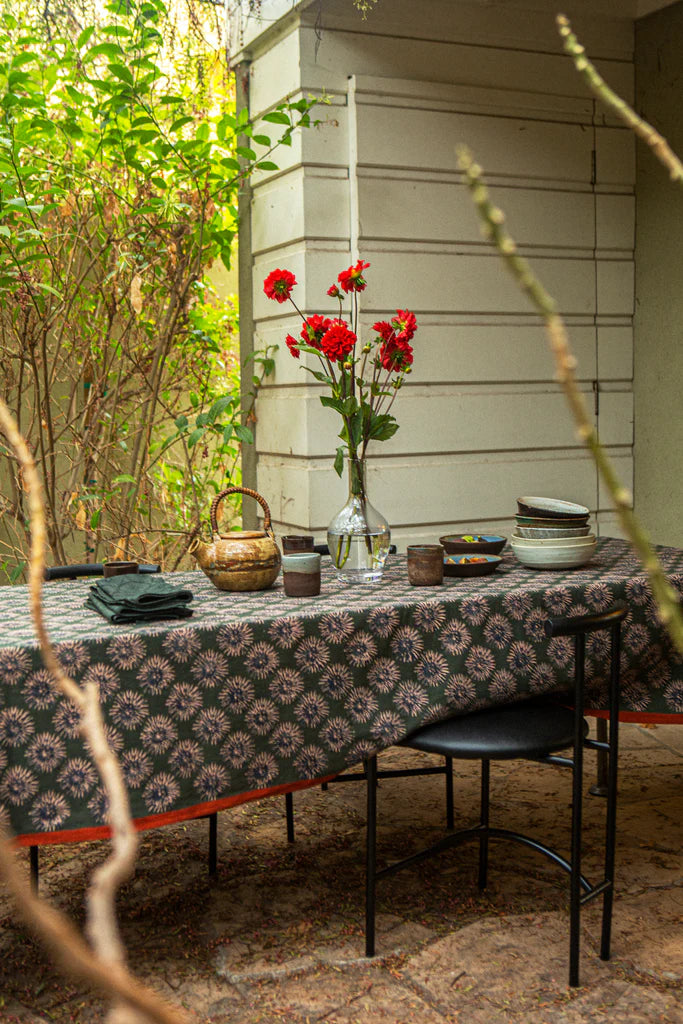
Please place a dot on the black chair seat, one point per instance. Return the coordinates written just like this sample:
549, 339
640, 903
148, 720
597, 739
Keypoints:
526, 729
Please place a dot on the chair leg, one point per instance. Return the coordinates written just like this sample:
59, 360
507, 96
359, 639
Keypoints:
289, 814
213, 843
449, 792
577, 813
370, 855
611, 815
484, 823
33, 867
601, 785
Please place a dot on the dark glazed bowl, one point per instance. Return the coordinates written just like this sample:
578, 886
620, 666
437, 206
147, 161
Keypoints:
481, 544
452, 567
551, 508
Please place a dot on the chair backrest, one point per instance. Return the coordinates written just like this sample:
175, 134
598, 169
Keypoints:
579, 626
74, 572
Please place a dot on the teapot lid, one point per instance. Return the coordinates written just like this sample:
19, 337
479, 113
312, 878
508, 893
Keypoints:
242, 535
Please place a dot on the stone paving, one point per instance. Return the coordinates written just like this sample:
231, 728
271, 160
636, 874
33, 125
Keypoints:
277, 935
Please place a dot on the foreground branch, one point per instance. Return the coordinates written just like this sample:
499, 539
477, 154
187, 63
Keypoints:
105, 969
611, 99
493, 221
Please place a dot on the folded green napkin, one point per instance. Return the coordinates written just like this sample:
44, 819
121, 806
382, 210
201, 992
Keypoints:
137, 598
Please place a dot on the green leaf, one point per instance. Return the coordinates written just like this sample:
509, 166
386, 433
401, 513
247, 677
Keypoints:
219, 406
104, 49
122, 73
332, 403
17, 571
244, 434
195, 436
382, 427
85, 36
180, 122
267, 165
324, 378
339, 460
181, 422
202, 419
95, 519
276, 117
124, 478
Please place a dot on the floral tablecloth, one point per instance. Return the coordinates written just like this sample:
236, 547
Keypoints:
260, 690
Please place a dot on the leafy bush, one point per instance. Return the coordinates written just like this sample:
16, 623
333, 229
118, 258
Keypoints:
119, 171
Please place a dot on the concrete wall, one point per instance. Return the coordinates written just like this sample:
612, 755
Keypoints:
481, 420
659, 285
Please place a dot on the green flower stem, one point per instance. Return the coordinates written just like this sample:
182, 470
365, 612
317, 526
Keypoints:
493, 220
599, 88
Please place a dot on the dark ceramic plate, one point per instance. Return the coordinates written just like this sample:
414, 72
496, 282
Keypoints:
478, 544
453, 567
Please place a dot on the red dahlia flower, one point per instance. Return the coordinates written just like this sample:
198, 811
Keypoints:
292, 345
384, 329
278, 285
405, 324
352, 280
314, 328
338, 341
333, 292
396, 355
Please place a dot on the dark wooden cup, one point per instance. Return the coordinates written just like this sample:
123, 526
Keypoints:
296, 542
425, 565
117, 568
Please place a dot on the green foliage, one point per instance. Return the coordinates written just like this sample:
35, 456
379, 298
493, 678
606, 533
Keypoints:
119, 172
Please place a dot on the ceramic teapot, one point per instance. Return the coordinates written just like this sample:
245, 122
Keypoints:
240, 560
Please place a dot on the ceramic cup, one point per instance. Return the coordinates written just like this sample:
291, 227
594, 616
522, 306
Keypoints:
425, 565
117, 568
301, 573
296, 542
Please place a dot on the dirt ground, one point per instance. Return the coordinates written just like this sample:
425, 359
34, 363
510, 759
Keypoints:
277, 935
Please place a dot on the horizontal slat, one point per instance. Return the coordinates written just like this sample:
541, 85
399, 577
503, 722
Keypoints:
445, 492
458, 352
391, 208
295, 205
442, 282
604, 25
437, 419
516, 147
327, 62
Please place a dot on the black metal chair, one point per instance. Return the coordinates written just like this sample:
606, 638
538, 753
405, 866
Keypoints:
534, 730
75, 572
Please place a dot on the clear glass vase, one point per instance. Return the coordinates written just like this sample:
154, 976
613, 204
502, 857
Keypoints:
358, 537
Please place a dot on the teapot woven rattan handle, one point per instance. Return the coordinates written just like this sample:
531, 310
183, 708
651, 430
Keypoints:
239, 490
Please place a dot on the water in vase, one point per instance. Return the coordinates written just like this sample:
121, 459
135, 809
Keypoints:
359, 558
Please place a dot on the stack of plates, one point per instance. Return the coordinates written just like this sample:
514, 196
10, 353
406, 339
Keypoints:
552, 534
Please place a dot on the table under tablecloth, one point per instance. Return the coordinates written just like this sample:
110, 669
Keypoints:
259, 690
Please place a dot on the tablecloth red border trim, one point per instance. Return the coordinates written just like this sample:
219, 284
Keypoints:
80, 835
643, 719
